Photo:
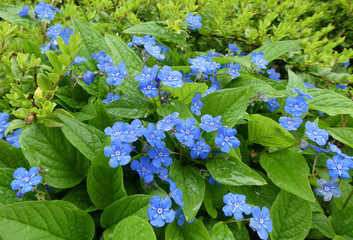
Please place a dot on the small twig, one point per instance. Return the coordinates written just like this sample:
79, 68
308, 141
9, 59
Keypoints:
315, 160
47, 192
323, 170
347, 200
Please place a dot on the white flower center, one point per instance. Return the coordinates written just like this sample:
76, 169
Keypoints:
160, 154
326, 189
199, 148
143, 169
226, 139
117, 153
26, 179
159, 210
339, 166
261, 221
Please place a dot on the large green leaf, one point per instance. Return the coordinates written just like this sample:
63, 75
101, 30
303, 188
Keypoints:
194, 230
291, 217
187, 91
122, 53
189, 181
231, 104
10, 13
104, 183
133, 227
175, 106
289, 171
132, 205
79, 197
330, 102
49, 149
344, 135
321, 223
232, 171
130, 107
157, 30
267, 132
45, 220
342, 222
294, 81
92, 42
220, 231
346, 188
11, 157
86, 138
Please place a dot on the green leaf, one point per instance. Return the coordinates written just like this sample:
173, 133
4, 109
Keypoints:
86, 138
189, 181
231, 104
289, 171
49, 149
291, 217
11, 157
175, 106
276, 49
79, 197
240, 232
104, 183
346, 188
194, 230
44, 82
154, 29
135, 205
330, 102
187, 91
232, 171
342, 222
10, 13
130, 107
102, 118
294, 81
45, 220
344, 135
133, 227
207, 201
220, 231
267, 132
92, 42
122, 53
321, 223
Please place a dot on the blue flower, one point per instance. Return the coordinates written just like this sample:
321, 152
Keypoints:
14, 139
261, 222
168, 122
159, 211
159, 156
149, 40
116, 131
45, 11
155, 51
328, 189
99, 57
196, 104
216, 83
116, 74
290, 124
25, 180
179, 214
170, 78
225, 139
149, 89
309, 85
209, 123
213, 54
4, 117
104, 63
176, 194
341, 86
54, 31
144, 168
200, 149
243, 53
233, 48
147, 74
296, 106
301, 93
345, 64
163, 174
335, 149
131, 131
88, 77
79, 60
273, 74
257, 59
199, 64
210, 90
110, 98
211, 180
212, 67
233, 70
24, 11
272, 104
338, 166
164, 49
153, 136
137, 40
194, 21
187, 132
119, 153
314, 133
235, 205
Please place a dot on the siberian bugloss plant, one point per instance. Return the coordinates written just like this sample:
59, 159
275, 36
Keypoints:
152, 138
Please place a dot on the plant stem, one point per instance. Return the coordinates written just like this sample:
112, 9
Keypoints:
315, 160
283, 149
83, 10
347, 200
47, 192
323, 170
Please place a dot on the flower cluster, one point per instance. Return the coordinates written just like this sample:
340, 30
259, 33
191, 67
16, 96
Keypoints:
194, 21
236, 206
149, 43
25, 180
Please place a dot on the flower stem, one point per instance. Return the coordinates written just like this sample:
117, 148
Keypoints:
314, 165
347, 200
